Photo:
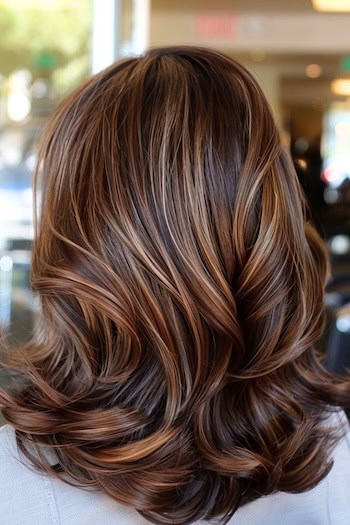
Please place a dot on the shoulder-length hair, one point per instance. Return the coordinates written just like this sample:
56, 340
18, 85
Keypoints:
182, 293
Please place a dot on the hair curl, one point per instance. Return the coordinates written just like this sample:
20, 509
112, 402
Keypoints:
182, 294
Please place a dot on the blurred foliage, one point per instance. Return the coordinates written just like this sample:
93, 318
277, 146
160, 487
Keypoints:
52, 43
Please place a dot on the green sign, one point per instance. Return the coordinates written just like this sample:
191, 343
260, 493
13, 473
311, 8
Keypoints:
45, 60
345, 63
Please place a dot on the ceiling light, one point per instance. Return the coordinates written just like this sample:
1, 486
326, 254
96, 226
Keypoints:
341, 6
341, 86
313, 70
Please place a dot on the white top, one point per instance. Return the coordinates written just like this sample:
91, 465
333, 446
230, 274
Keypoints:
31, 498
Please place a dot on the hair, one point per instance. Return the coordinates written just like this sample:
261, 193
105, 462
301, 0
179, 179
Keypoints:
182, 295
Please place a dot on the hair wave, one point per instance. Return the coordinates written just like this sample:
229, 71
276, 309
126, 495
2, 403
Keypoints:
182, 294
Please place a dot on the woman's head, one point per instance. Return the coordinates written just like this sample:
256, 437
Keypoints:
182, 293
171, 204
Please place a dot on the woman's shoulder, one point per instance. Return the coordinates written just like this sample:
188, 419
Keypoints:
28, 497
23, 491
10, 456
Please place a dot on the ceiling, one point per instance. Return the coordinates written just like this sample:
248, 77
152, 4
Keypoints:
295, 86
291, 67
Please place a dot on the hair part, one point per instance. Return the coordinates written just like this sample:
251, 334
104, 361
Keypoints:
182, 294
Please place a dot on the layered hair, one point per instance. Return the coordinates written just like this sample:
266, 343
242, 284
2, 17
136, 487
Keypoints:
182, 294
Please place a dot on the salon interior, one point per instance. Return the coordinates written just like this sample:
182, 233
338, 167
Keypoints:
299, 50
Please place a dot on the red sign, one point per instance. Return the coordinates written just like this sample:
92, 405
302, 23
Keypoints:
216, 25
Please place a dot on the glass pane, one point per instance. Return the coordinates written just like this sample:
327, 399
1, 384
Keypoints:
45, 52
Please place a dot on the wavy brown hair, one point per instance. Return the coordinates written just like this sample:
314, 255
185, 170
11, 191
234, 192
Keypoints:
182, 293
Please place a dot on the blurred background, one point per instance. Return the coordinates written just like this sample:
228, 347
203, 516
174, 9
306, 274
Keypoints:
298, 49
